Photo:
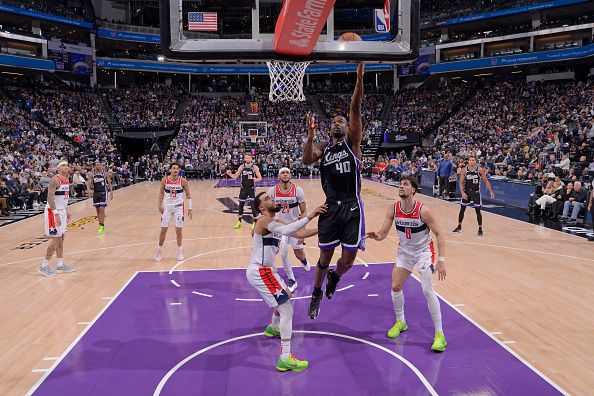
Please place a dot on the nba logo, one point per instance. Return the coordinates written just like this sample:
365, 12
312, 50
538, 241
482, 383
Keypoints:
382, 18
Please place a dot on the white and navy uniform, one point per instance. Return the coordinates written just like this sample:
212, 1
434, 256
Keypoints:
248, 188
289, 202
173, 202
343, 222
416, 246
100, 189
61, 201
472, 188
262, 274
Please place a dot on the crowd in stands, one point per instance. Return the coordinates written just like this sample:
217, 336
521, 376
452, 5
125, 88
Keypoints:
435, 10
339, 105
55, 7
420, 110
149, 105
209, 141
42, 127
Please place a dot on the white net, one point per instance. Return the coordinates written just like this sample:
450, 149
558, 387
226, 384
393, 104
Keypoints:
286, 81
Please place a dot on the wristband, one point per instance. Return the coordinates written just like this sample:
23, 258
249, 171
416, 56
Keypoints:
189, 204
441, 259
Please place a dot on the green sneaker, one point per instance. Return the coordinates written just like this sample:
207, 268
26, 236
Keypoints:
253, 225
439, 342
237, 225
398, 328
101, 230
272, 331
292, 364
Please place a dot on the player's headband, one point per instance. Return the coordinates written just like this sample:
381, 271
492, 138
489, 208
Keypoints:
281, 170
62, 164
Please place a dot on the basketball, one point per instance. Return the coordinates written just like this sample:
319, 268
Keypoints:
350, 36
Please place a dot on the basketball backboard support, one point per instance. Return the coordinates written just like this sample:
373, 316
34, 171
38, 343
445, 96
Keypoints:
254, 43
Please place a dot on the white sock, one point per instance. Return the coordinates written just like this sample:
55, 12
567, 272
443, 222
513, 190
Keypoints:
284, 253
179, 249
432, 300
45, 263
275, 320
286, 320
60, 262
398, 302
285, 349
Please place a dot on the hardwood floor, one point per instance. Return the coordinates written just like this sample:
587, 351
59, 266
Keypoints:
531, 284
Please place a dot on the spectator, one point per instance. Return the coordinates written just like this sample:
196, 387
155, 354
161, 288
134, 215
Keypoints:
444, 171
577, 200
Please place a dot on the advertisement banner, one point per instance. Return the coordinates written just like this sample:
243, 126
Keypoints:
399, 137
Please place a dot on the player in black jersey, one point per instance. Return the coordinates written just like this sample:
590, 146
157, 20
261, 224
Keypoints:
250, 175
344, 222
100, 185
470, 186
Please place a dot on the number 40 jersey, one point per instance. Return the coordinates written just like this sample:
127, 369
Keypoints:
339, 168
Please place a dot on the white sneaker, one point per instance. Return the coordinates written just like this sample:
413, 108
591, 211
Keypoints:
159, 254
292, 285
180, 255
306, 266
64, 268
46, 271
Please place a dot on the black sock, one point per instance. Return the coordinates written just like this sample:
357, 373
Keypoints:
317, 291
101, 224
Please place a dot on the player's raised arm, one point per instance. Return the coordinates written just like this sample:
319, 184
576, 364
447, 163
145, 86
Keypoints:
429, 219
236, 174
355, 133
311, 153
257, 174
386, 226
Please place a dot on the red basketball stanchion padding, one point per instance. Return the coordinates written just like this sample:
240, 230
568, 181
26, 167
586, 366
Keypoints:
299, 25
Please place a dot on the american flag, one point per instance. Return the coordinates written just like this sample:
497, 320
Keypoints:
202, 21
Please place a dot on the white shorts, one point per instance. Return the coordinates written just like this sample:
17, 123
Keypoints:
295, 243
176, 212
423, 261
271, 286
51, 229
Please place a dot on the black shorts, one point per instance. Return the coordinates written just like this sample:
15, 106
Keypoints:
100, 199
247, 193
344, 224
474, 199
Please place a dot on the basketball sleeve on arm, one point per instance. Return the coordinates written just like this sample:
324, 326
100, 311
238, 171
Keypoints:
271, 192
287, 229
300, 195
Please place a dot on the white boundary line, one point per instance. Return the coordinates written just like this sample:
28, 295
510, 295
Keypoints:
63, 355
411, 366
520, 249
125, 246
249, 299
174, 283
503, 345
202, 294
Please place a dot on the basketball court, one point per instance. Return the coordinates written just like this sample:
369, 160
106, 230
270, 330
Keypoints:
516, 308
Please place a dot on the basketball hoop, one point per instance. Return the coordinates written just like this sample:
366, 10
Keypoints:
286, 81
253, 136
